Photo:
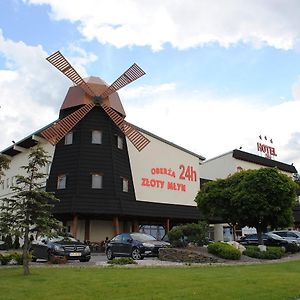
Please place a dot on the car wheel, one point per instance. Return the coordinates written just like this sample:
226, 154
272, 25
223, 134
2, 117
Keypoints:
136, 254
109, 254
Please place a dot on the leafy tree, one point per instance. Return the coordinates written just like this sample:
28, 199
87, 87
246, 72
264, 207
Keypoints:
254, 198
217, 201
267, 197
4, 165
28, 211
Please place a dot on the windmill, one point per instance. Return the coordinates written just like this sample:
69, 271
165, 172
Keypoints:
95, 98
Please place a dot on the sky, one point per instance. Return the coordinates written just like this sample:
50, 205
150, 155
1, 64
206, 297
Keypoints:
218, 73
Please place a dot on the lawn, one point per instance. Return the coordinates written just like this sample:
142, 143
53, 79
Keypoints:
269, 281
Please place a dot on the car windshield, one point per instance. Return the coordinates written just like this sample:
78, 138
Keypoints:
141, 237
274, 236
63, 239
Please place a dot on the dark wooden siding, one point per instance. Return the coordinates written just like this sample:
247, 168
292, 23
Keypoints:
82, 158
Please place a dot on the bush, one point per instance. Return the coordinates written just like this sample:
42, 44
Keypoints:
182, 235
224, 250
5, 259
122, 261
58, 260
271, 253
292, 248
18, 257
12, 258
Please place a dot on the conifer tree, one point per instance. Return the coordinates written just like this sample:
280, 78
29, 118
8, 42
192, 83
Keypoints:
28, 211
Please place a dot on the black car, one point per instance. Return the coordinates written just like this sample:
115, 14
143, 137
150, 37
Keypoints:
69, 247
137, 245
269, 239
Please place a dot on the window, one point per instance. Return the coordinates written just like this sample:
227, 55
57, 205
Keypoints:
69, 138
124, 184
119, 142
7, 182
96, 137
61, 182
97, 181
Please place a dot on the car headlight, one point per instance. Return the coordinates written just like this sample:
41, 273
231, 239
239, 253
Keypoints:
148, 245
87, 249
58, 248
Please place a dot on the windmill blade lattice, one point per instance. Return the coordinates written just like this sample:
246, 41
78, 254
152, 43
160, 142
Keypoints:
57, 131
136, 138
61, 63
132, 74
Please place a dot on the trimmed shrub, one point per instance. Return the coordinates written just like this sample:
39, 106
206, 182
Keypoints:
292, 248
58, 260
5, 259
12, 258
176, 238
122, 261
18, 257
224, 250
271, 253
182, 235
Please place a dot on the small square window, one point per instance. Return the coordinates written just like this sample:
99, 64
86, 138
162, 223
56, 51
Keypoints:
120, 142
61, 182
97, 181
96, 137
69, 138
124, 184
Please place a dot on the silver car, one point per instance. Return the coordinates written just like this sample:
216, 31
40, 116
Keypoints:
289, 235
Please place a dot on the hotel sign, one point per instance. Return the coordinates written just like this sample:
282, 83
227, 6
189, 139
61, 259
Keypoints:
267, 150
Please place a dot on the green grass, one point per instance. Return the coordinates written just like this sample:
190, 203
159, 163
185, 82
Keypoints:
267, 281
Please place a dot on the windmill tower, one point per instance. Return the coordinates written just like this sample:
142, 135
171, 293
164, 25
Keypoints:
90, 171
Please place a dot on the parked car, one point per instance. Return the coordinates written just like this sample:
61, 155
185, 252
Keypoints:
269, 239
137, 245
69, 247
289, 235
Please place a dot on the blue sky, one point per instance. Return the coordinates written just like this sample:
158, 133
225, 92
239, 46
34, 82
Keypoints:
218, 74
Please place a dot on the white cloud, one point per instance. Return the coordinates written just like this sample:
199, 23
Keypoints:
183, 24
32, 90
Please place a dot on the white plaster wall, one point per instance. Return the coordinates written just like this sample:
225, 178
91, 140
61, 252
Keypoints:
218, 167
245, 165
162, 155
15, 165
